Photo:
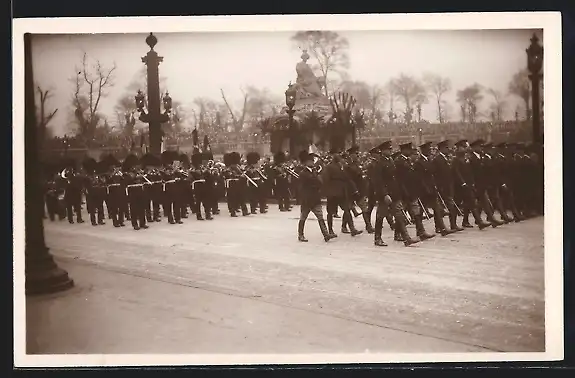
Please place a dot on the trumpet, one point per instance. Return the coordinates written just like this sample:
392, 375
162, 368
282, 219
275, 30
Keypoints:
292, 172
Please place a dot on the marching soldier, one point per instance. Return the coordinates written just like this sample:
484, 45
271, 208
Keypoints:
73, 192
136, 193
410, 183
465, 182
199, 187
493, 167
429, 192
173, 196
388, 195
155, 190
374, 156
236, 185
359, 188
281, 182
311, 184
54, 194
483, 181
336, 185
255, 184
445, 179
96, 192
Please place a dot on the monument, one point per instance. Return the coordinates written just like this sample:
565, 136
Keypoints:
314, 119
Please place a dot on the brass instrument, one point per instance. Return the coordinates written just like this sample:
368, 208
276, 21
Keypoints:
291, 172
250, 180
261, 174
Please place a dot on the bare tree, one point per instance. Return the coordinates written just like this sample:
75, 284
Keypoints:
438, 86
520, 86
44, 115
238, 123
469, 98
369, 98
91, 83
411, 91
328, 48
498, 105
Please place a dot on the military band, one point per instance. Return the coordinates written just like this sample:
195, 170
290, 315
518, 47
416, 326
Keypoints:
494, 184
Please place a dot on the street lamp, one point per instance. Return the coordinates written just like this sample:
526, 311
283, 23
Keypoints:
534, 65
153, 116
290, 103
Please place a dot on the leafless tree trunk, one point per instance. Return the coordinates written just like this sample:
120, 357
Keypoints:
238, 123
90, 87
43, 118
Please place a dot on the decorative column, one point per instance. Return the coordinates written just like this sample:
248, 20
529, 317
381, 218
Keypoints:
153, 116
43, 276
534, 65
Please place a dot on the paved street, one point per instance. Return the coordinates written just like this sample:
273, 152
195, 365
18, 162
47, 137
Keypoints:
245, 285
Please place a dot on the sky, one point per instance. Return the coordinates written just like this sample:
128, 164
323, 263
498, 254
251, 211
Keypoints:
199, 64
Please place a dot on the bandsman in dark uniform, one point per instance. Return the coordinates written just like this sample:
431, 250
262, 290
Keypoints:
236, 185
336, 184
96, 191
465, 183
173, 196
54, 196
388, 195
199, 185
156, 189
374, 156
74, 184
359, 189
410, 182
444, 174
494, 170
281, 184
430, 196
310, 190
116, 192
185, 183
136, 192
483, 181
255, 190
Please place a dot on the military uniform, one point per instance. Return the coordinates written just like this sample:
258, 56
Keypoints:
336, 185
358, 189
428, 188
465, 183
411, 185
281, 184
200, 188
310, 189
444, 175
256, 190
388, 194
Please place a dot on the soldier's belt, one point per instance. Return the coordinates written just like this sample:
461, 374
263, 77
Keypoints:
197, 181
227, 182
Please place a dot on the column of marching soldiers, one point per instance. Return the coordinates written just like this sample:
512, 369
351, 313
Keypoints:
492, 184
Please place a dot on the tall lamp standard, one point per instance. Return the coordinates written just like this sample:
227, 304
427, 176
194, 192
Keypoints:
43, 276
534, 65
290, 103
153, 116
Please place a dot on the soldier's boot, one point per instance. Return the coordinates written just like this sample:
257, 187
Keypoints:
324, 231
504, 216
208, 214
453, 223
300, 229
101, 218
440, 225
397, 235
480, 222
344, 229
330, 225
391, 222
253, 208
245, 211
491, 218
368, 226
93, 219
354, 231
465, 222
377, 237
407, 239
420, 229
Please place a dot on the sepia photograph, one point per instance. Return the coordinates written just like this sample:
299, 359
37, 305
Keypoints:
280, 189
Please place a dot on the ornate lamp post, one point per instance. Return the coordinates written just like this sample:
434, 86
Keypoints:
153, 116
534, 65
43, 276
290, 103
